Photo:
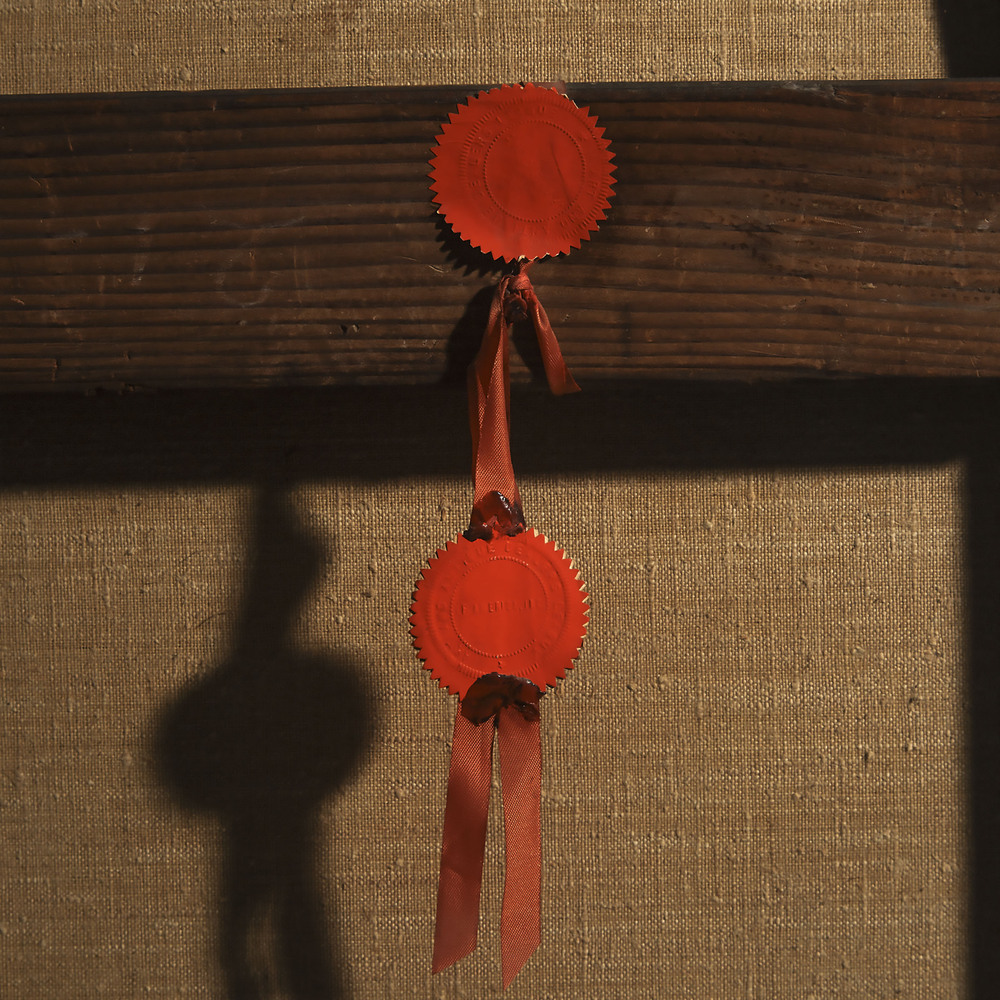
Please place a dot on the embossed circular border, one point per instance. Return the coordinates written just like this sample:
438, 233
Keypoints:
452, 659
506, 210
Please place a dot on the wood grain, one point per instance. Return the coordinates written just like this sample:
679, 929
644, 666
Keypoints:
289, 238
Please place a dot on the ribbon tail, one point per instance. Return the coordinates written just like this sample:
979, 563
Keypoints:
521, 780
561, 382
463, 843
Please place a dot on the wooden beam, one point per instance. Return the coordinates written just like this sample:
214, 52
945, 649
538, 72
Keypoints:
260, 238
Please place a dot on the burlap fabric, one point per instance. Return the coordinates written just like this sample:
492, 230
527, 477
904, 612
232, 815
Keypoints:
222, 768
93, 45
222, 760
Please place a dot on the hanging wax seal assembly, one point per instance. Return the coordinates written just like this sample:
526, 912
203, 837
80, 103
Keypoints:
499, 614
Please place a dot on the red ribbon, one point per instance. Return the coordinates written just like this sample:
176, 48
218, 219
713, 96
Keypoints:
464, 842
497, 501
505, 704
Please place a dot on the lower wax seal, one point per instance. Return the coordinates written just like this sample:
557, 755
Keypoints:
509, 605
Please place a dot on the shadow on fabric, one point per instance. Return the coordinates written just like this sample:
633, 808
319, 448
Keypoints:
225, 746
260, 743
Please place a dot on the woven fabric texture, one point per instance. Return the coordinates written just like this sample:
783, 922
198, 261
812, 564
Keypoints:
223, 770
752, 781
95, 45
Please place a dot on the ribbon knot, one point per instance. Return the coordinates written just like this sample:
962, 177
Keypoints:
493, 692
495, 515
516, 296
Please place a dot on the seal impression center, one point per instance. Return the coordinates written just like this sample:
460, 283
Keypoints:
535, 171
499, 607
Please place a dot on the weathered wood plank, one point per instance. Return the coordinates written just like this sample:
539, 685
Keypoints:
289, 237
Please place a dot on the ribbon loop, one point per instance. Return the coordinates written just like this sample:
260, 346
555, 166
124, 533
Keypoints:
489, 401
521, 301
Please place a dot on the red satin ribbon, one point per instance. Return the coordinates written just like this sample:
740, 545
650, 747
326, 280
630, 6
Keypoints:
464, 841
497, 501
496, 509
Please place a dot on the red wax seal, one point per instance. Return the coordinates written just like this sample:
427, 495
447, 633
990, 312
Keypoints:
521, 172
512, 605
